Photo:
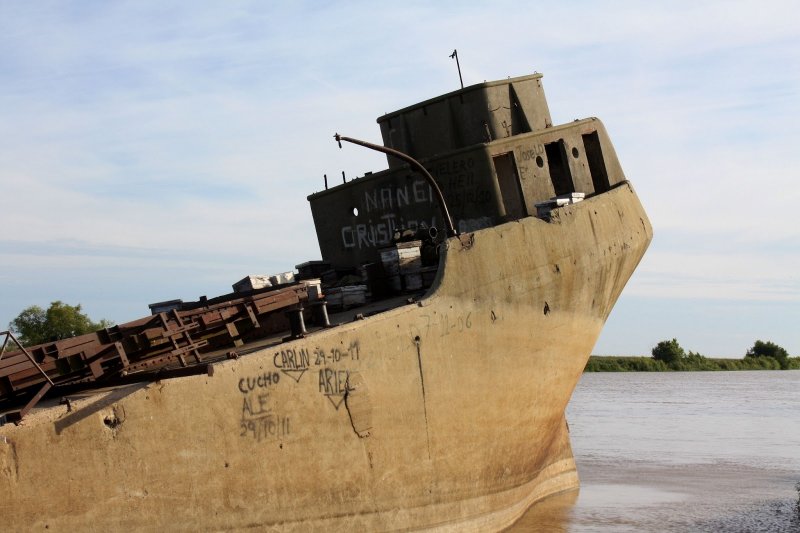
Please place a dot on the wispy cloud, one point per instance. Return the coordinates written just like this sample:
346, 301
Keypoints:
149, 137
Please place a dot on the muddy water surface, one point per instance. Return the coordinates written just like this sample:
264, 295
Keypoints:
681, 451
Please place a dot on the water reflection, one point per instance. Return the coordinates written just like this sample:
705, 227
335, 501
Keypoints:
553, 514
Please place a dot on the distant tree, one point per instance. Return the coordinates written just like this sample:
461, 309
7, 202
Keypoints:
35, 325
670, 352
769, 349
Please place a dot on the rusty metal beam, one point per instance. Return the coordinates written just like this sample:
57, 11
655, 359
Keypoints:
145, 344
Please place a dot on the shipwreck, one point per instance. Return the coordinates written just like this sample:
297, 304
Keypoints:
414, 377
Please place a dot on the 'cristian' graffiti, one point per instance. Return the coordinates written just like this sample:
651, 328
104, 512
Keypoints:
380, 233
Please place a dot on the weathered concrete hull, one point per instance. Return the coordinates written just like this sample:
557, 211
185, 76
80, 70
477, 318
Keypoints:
447, 413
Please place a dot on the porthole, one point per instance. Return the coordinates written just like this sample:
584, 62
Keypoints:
355, 211
539, 161
575, 152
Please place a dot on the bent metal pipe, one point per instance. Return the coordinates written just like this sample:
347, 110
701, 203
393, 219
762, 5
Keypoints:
451, 230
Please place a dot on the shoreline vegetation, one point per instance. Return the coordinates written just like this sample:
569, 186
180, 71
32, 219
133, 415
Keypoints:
611, 363
669, 356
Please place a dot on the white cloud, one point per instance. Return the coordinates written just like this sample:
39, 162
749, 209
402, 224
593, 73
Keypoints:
149, 128
734, 275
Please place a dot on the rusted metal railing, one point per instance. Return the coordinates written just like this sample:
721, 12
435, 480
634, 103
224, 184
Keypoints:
183, 337
48, 382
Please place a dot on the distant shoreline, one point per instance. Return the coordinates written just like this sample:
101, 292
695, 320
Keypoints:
613, 363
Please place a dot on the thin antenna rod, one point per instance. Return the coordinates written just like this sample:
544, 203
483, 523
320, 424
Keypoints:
455, 55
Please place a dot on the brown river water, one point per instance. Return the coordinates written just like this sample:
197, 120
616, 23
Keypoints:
681, 451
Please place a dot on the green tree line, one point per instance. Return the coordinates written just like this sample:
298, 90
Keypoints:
668, 355
35, 325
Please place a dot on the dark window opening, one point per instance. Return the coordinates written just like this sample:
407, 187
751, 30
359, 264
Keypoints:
559, 167
597, 165
510, 189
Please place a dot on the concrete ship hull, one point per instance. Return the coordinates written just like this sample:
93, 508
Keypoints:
446, 413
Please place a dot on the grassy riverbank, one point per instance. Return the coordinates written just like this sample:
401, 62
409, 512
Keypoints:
602, 363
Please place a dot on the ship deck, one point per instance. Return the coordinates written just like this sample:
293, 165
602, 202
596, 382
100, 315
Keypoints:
83, 388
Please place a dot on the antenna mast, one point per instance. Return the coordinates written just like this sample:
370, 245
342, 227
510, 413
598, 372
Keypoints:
455, 55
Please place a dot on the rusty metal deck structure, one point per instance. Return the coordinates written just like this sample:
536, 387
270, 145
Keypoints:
180, 338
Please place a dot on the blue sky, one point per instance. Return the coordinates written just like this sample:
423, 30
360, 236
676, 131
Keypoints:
152, 150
